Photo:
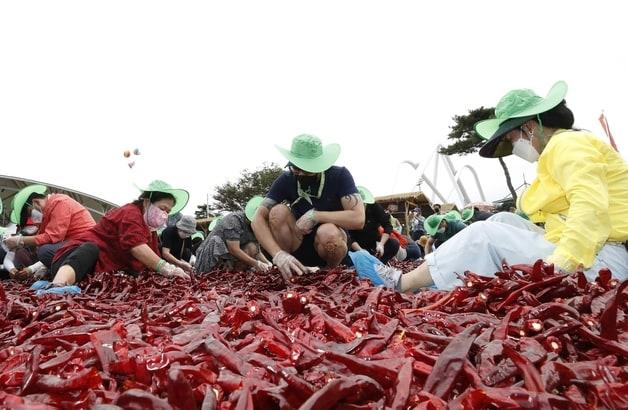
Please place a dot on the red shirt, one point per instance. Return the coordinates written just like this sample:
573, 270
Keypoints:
119, 231
63, 219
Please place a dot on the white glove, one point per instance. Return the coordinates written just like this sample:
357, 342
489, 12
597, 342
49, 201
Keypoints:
288, 264
12, 242
170, 271
379, 249
262, 266
307, 222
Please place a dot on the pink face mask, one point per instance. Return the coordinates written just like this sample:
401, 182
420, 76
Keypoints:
154, 217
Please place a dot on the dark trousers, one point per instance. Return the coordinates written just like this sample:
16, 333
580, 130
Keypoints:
82, 259
391, 247
45, 253
413, 250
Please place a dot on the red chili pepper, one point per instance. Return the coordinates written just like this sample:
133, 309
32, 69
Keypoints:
402, 387
349, 389
180, 394
608, 320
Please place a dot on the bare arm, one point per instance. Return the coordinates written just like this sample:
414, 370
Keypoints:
355, 246
350, 218
429, 245
165, 252
261, 227
145, 254
238, 253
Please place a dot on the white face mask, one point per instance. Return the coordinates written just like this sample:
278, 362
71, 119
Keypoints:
36, 216
441, 230
523, 149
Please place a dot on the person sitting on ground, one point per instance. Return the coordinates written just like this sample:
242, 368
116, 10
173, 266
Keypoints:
579, 193
381, 246
22, 263
61, 219
231, 245
125, 239
436, 208
176, 242
323, 203
440, 229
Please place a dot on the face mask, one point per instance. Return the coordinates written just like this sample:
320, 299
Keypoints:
307, 180
155, 218
441, 230
29, 230
523, 149
36, 216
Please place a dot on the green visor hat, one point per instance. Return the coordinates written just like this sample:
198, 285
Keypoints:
198, 235
213, 223
307, 153
432, 223
367, 196
181, 196
453, 215
19, 200
252, 205
512, 111
467, 214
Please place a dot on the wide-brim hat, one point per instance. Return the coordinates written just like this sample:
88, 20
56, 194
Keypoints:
467, 214
181, 196
17, 204
252, 205
187, 224
432, 223
213, 223
198, 235
453, 215
512, 111
309, 154
367, 196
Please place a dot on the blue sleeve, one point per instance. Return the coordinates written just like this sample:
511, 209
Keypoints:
279, 190
346, 185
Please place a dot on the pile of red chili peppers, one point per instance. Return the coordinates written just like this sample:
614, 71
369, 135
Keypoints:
527, 338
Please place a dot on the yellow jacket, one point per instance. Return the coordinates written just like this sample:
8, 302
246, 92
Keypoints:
581, 194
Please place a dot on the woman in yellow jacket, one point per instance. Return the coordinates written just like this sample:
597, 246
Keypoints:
580, 194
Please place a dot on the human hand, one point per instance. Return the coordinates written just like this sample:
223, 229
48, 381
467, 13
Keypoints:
170, 271
186, 266
12, 242
288, 264
379, 249
262, 266
307, 222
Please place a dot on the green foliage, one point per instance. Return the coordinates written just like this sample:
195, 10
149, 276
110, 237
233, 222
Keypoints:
465, 139
233, 196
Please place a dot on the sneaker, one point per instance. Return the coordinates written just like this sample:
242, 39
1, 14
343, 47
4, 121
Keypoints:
59, 290
389, 275
40, 284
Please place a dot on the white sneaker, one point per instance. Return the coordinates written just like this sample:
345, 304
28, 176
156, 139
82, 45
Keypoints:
389, 275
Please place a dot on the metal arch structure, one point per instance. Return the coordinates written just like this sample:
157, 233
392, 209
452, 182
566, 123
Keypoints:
454, 176
10, 185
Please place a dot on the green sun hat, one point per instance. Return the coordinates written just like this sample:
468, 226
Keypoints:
432, 223
19, 200
367, 196
197, 235
252, 205
453, 215
181, 196
512, 111
467, 214
213, 223
307, 153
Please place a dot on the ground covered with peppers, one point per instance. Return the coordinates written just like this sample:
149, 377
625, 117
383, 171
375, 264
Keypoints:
528, 338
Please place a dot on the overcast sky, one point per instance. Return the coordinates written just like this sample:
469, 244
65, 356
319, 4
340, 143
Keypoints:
205, 89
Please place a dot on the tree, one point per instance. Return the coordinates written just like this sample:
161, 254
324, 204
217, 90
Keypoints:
233, 196
467, 141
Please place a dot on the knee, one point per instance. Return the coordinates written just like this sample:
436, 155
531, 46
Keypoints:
251, 249
330, 234
279, 214
90, 249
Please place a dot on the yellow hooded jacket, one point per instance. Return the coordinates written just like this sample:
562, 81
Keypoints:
581, 194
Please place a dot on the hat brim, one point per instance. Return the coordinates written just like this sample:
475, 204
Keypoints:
252, 205
494, 129
322, 163
432, 230
189, 232
213, 223
497, 146
17, 204
367, 196
181, 197
469, 214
